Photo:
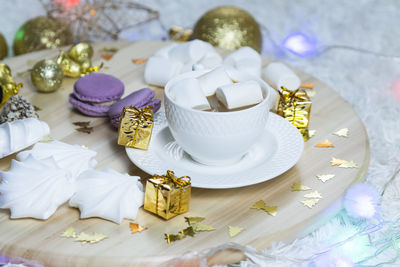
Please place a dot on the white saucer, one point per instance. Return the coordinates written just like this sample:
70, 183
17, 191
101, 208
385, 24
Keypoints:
276, 152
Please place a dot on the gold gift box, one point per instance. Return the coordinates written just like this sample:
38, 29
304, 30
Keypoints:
135, 127
167, 195
295, 106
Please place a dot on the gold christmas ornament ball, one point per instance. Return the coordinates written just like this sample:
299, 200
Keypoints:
228, 27
3, 47
47, 76
41, 33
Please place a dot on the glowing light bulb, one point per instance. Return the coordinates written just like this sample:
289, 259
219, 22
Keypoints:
68, 3
300, 44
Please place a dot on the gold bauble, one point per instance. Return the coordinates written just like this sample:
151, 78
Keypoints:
228, 27
47, 76
3, 47
41, 33
81, 52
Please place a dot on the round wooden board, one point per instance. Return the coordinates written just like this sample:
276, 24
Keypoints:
41, 241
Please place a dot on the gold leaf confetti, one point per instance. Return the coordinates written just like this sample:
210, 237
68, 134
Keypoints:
311, 133
193, 220
314, 194
337, 162
310, 202
172, 238
188, 231
259, 205
139, 61
86, 238
300, 187
325, 143
200, 227
46, 139
69, 232
342, 132
325, 177
234, 231
271, 210
136, 228
348, 164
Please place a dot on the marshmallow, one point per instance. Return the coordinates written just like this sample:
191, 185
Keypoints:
188, 67
240, 94
245, 59
188, 93
191, 51
211, 59
211, 80
164, 52
277, 74
159, 71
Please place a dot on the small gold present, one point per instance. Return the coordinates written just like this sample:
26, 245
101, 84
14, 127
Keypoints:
295, 106
135, 127
167, 195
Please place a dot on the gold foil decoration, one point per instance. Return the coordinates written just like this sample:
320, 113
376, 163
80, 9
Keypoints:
348, 164
201, 227
172, 237
310, 202
7, 85
177, 33
135, 127
136, 228
295, 106
342, 132
325, 177
300, 187
228, 27
87, 238
260, 205
167, 195
271, 210
193, 220
337, 162
195, 227
325, 143
69, 233
234, 230
314, 194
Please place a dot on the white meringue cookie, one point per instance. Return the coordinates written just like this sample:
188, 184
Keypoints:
213, 79
34, 188
19, 134
245, 59
108, 194
159, 70
278, 74
73, 158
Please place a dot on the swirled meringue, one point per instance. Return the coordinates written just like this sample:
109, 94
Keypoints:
19, 134
73, 158
34, 188
107, 194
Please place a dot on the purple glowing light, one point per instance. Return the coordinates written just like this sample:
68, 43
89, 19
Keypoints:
300, 44
361, 201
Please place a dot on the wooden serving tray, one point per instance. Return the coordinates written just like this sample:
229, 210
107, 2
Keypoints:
41, 241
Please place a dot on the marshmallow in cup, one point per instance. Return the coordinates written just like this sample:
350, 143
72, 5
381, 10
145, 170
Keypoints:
188, 93
245, 59
159, 70
240, 94
213, 79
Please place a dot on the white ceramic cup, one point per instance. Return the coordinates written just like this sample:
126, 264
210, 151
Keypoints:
216, 138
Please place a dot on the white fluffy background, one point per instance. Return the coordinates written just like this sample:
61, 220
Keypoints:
365, 81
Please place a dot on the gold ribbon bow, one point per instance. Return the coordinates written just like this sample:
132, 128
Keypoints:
141, 117
170, 177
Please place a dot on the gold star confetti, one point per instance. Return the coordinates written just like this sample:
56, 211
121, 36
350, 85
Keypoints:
200, 227
259, 205
337, 162
86, 238
271, 210
139, 61
314, 194
136, 228
348, 164
69, 233
300, 187
46, 139
342, 132
172, 238
310, 202
234, 231
193, 220
311, 133
325, 143
325, 177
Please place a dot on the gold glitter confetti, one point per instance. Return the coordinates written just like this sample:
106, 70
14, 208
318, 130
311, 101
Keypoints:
337, 162
69, 233
325, 143
234, 231
86, 238
342, 132
172, 238
325, 177
46, 139
300, 187
311, 133
193, 220
200, 227
348, 164
314, 194
310, 202
136, 228
271, 210
188, 231
139, 61
259, 205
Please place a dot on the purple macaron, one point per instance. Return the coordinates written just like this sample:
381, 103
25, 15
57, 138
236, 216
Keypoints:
95, 93
140, 99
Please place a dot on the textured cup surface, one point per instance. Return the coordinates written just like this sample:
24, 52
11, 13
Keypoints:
216, 138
